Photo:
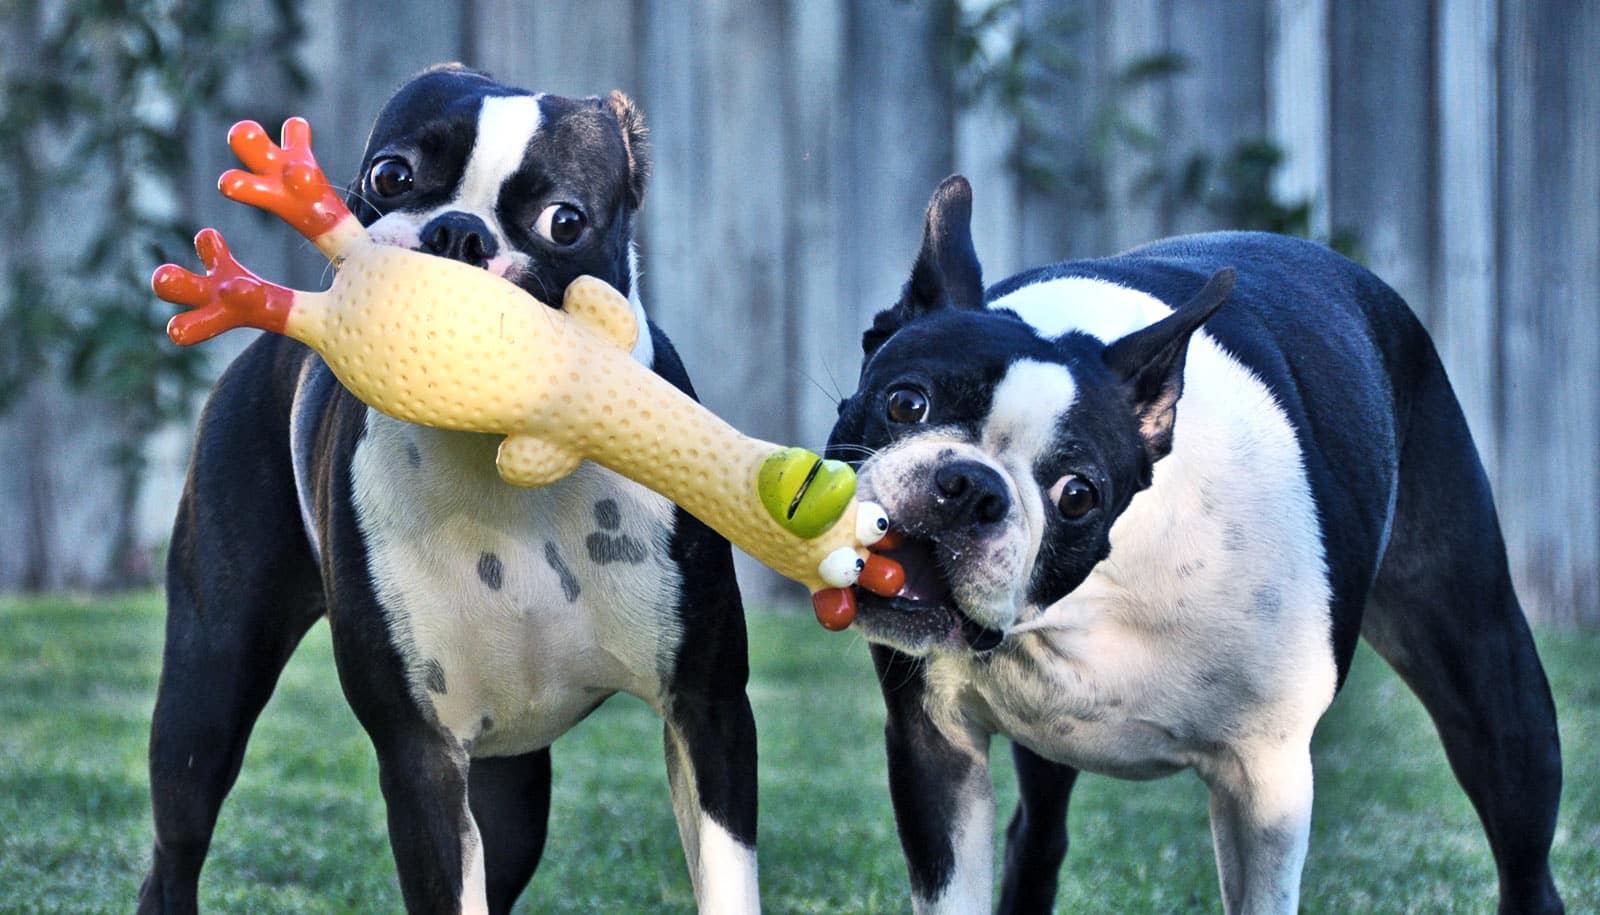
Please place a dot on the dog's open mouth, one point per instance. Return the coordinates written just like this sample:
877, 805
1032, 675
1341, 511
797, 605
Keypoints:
924, 610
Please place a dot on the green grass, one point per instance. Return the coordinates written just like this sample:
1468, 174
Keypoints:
304, 829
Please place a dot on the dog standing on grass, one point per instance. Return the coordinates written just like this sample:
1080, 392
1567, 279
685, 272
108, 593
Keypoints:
1147, 505
473, 623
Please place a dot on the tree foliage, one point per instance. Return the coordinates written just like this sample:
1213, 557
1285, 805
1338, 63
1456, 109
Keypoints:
97, 98
1022, 67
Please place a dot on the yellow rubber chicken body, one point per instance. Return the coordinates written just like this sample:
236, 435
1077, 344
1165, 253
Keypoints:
441, 343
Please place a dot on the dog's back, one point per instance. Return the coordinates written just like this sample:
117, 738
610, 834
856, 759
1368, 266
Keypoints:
1339, 350
1187, 477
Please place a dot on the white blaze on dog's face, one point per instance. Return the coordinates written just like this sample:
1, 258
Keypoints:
463, 167
1002, 457
967, 484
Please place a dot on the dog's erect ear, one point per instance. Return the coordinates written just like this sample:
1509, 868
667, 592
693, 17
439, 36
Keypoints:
636, 139
1150, 362
946, 274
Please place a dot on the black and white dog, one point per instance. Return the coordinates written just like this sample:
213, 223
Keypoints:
1137, 546
473, 623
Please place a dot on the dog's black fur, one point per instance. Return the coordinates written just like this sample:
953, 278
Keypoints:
1136, 663
275, 530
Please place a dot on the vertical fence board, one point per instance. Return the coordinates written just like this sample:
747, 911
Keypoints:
1550, 242
1134, 30
573, 49
1381, 119
1220, 100
1298, 101
900, 117
985, 139
1052, 228
671, 226
1464, 301
821, 319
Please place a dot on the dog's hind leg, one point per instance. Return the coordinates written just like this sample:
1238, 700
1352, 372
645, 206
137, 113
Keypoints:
242, 589
1444, 615
510, 800
1036, 839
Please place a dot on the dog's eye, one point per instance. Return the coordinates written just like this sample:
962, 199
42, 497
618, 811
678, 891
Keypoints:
390, 177
1074, 496
560, 223
907, 404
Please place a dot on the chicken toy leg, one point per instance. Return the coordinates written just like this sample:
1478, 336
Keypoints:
440, 343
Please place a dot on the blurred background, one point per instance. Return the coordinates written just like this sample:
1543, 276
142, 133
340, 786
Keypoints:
1450, 145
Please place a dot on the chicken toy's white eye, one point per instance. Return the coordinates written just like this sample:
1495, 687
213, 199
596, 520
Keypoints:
872, 522
840, 568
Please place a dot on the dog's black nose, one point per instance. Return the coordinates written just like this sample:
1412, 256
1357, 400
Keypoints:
966, 493
460, 236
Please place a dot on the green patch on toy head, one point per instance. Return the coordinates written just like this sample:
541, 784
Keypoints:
804, 493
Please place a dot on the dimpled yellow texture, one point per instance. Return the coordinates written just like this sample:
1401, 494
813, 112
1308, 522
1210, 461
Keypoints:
436, 342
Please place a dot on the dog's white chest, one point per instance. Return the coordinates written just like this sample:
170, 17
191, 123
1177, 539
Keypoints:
517, 611
1207, 626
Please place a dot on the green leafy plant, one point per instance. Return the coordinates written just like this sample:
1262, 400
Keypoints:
1024, 69
95, 119
1236, 189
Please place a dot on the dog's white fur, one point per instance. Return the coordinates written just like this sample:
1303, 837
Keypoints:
522, 663
1201, 641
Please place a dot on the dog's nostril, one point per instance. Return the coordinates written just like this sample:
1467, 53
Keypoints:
992, 508
951, 480
970, 492
438, 241
459, 236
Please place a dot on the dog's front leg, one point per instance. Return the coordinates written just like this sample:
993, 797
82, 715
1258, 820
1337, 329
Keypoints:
437, 848
1260, 822
438, 852
943, 798
711, 765
422, 769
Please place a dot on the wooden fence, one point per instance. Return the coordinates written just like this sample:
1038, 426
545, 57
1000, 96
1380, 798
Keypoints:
795, 144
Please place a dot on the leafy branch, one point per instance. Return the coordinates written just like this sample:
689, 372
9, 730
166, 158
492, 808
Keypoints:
95, 122
1025, 68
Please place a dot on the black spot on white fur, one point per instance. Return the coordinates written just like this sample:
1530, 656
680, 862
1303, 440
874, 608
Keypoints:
491, 570
433, 674
605, 548
569, 582
1233, 539
413, 455
1267, 601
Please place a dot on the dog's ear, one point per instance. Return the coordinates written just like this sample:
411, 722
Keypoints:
947, 273
635, 139
1150, 362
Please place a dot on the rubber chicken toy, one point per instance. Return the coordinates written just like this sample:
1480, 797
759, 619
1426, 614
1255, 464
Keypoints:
441, 343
